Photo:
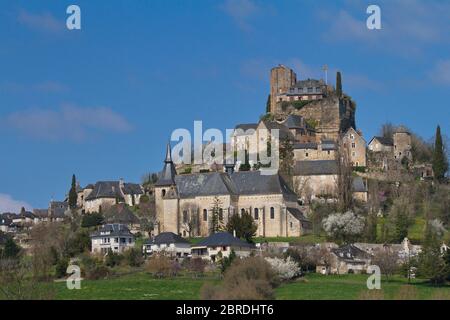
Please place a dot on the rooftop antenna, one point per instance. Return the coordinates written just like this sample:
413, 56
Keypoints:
325, 69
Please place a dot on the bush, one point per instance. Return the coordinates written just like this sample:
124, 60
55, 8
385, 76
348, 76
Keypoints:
161, 266
196, 266
133, 257
92, 268
92, 220
246, 279
113, 259
61, 268
286, 269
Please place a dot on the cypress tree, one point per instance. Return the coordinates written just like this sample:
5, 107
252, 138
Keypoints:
440, 165
73, 193
339, 84
268, 104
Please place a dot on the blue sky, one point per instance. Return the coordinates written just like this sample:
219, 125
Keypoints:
101, 102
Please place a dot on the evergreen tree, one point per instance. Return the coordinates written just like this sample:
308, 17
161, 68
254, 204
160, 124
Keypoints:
431, 262
73, 193
268, 104
11, 249
217, 215
339, 84
440, 164
243, 225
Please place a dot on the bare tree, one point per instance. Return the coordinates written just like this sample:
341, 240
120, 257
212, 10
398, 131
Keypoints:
190, 219
387, 260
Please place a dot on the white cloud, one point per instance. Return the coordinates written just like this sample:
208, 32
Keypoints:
241, 11
66, 123
8, 204
441, 72
408, 26
40, 21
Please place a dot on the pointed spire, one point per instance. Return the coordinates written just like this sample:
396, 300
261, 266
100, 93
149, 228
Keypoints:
168, 153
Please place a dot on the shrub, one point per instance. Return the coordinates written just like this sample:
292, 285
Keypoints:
196, 266
92, 220
286, 269
159, 266
61, 268
246, 279
133, 257
113, 259
92, 268
345, 227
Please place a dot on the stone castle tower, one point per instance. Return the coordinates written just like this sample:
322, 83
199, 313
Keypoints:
281, 79
317, 102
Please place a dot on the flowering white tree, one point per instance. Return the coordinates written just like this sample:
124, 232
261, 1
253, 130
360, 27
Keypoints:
437, 226
344, 227
285, 269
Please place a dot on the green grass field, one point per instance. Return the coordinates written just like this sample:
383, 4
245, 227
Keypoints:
313, 287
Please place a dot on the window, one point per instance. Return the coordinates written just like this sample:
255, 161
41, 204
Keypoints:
328, 152
353, 145
205, 215
317, 89
163, 192
310, 90
306, 154
242, 211
185, 216
272, 213
256, 213
353, 154
220, 214
290, 224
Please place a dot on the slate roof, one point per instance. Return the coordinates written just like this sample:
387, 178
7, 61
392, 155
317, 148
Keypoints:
166, 238
115, 230
384, 141
351, 253
308, 83
221, 239
319, 167
294, 122
120, 214
308, 145
254, 183
40, 213
245, 127
111, 189
204, 184
328, 145
358, 185
297, 214
167, 176
283, 130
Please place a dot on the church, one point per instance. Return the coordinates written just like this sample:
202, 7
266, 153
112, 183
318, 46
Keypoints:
185, 202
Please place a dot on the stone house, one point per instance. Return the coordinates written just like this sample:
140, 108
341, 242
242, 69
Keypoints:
184, 203
316, 178
360, 189
354, 142
381, 144
167, 243
344, 260
115, 237
311, 151
122, 214
105, 194
402, 145
220, 245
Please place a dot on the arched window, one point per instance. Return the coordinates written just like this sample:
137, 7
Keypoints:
205, 215
272, 213
256, 213
163, 192
242, 211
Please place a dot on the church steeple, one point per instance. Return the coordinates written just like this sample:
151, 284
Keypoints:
168, 173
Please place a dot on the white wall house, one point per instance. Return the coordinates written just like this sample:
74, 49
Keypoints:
116, 237
168, 243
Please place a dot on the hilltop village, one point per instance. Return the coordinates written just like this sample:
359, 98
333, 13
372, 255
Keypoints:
334, 186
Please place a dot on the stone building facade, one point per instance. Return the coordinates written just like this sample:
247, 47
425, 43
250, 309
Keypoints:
355, 145
185, 204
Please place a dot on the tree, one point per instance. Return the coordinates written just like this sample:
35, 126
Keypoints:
217, 215
400, 217
431, 262
11, 250
191, 220
286, 161
92, 220
244, 226
371, 228
344, 227
344, 179
339, 84
73, 196
440, 163
387, 261
268, 104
